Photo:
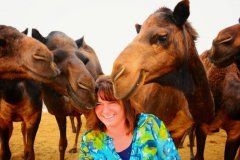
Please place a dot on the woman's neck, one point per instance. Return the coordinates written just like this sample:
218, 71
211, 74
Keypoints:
121, 136
118, 131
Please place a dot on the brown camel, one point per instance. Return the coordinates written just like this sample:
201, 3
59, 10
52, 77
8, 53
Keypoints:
226, 51
226, 47
94, 67
169, 105
21, 57
24, 57
61, 105
20, 101
225, 85
164, 52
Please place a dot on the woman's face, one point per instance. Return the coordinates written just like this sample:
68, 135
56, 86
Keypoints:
111, 113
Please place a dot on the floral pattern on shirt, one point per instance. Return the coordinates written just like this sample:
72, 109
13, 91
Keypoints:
151, 141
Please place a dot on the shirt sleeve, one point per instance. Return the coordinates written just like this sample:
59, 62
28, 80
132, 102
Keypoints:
165, 144
84, 153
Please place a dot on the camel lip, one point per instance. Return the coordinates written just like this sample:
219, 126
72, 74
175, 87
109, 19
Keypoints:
222, 61
138, 83
42, 77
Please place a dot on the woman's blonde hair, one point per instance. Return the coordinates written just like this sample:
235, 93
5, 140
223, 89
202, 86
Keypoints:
104, 89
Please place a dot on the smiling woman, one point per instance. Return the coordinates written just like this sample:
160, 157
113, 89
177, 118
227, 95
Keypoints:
114, 127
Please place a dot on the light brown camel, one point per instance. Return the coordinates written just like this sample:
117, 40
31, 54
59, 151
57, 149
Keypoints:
24, 57
164, 52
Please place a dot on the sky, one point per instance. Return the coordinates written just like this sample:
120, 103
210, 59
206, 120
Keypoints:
108, 25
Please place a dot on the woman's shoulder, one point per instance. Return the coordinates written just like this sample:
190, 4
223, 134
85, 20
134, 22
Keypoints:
148, 118
93, 134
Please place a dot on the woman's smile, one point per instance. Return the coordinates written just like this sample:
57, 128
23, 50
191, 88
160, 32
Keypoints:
108, 116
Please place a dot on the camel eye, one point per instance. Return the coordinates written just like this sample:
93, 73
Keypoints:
159, 39
82, 57
59, 55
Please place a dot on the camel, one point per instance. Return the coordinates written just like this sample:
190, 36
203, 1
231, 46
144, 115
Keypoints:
93, 65
224, 81
24, 57
21, 57
61, 105
95, 69
226, 47
169, 105
21, 100
225, 86
164, 52
224, 52
73, 66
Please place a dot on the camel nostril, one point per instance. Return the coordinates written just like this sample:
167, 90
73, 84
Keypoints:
83, 86
38, 56
223, 39
118, 74
226, 40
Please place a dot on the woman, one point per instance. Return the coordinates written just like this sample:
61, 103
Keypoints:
118, 130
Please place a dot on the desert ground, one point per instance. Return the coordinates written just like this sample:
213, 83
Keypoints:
46, 143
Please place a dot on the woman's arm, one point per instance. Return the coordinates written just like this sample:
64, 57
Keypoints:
165, 144
84, 153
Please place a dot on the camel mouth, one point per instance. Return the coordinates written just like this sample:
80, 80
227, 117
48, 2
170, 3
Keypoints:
41, 77
222, 61
76, 100
139, 82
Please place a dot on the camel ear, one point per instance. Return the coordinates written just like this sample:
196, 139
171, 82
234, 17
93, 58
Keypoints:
239, 20
138, 27
181, 12
36, 34
25, 31
80, 42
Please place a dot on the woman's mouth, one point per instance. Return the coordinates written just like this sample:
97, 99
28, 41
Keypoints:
108, 116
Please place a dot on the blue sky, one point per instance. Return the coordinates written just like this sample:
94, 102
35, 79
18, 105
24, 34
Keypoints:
108, 25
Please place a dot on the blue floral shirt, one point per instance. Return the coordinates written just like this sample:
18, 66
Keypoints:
151, 141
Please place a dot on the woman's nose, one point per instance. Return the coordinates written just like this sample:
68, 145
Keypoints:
105, 108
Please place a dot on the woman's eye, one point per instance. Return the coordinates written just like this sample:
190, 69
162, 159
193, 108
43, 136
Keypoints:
97, 104
113, 102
